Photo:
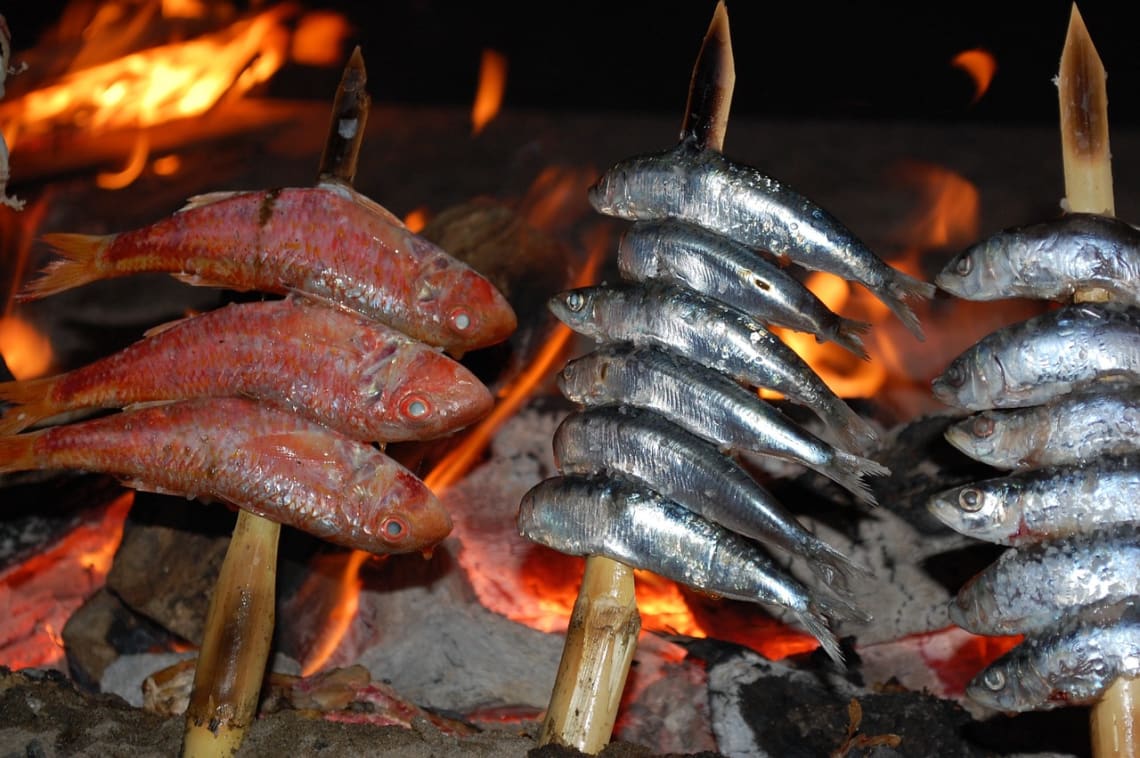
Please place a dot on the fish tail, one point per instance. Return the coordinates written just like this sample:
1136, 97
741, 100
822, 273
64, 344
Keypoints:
815, 623
78, 267
848, 334
30, 397
16, 453
835, 567
854, 430
849, 471
904, 287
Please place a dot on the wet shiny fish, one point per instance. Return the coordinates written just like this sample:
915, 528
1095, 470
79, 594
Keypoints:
1051, 260
1069, 665
1046, 503
679, 253
332, 366
636, 526
690, 471
703, 187
1031, 587
709, 405
328, 242
1073, 428
266, 461
712, 334
1034, 361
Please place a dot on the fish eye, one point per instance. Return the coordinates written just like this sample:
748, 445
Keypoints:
983, 427
993, 679
964, 264
460, 320
394, 529
971, 499
575, 301
955, 376
416, 407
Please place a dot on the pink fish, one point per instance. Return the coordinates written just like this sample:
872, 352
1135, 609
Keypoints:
329, 242
332, 366
270, 462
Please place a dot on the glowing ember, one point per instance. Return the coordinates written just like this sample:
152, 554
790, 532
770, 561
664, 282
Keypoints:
981, 67
416, 219
26, 352
489, 95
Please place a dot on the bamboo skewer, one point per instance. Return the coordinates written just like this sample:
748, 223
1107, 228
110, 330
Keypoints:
239, 624
604, 625
1115, 718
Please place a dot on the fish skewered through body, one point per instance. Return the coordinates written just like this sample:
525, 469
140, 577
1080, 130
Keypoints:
1070, 664
328, 242
1050, 261
712, 334
1031, 362
272, 463
1045, 503
703, 187
1029, 588
1074, 428
636, 526
675, 252
709, 405
332, 366
688, 470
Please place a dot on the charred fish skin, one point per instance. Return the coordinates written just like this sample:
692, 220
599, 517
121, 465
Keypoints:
1050, 261
711, 333
708, 405
1071, 664
1045, 503
1030, 587
1046, 356
679, 253
643, 446
1074, 428
703, 187
632, 524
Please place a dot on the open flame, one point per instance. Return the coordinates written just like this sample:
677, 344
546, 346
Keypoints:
980, 65
489, 95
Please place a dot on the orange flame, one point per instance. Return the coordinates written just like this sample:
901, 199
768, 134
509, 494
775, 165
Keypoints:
25, 350
489, 95
980, 65
319, 39
134, 168
344, 611
416, 219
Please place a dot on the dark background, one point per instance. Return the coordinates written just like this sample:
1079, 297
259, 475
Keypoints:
794, 60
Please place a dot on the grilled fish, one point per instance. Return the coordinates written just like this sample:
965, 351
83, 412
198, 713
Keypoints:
712, 334
703, 187
636, 526
1050, 261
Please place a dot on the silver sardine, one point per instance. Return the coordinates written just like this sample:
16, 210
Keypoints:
1045, 503
644, 446
1050, 261
1034, 361
1073, 428
712, 334
636, 526
1030, 587
710, 405
679, 253
1071, 664
705, 188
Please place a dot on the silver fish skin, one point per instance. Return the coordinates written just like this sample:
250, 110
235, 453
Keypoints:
709, 405
634, 525
1074, 428
1045, 503
1067, 665
1050, 261
1036, 360
680, 253
703, 187
1030, 587
680, 466
712, 334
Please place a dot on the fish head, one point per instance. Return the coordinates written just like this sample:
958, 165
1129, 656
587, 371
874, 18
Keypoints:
986, 510
428, 396
577, 308
1011, 685
399, 514
972, 380
473, 313
639, 188
975, 605
583, 380
985, 436
974, 273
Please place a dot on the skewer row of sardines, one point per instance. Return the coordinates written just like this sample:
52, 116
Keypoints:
669, 400
1056, 401
280, 406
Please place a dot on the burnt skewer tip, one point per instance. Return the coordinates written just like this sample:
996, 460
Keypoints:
346, 127
711, 86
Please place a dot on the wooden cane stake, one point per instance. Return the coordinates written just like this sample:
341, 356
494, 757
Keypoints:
239, 623
604, 626
1088, 189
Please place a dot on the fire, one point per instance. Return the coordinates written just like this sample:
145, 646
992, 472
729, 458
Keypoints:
416, 219
489, 95
25, 350
344, 610
319, 38
980, 65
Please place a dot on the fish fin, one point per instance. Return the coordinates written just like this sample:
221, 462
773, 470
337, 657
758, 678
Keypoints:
208, 198
29, 395
836, 567
848, 426
848, 470
144, 486
816, 624
159, 329
197, 280
363, 201
299, 445
80, 253
848, 335
904, 287
16, 453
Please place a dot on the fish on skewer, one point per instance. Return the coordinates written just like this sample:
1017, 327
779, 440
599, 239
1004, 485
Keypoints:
642, 445
709, 405
327, 242
1051, 260
636, 526
269, 462
700, 185
331, 365
679, 253
1032, 362
710, 333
